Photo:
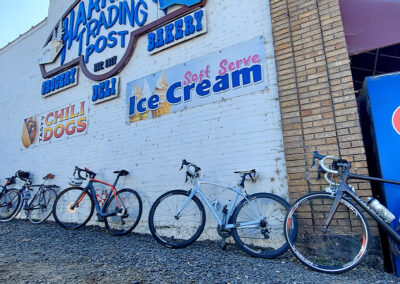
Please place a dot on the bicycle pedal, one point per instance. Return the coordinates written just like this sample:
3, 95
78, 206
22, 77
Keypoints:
223, 244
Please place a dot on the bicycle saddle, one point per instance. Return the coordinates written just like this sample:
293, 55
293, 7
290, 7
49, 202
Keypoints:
122, 172
245, 172
49, 176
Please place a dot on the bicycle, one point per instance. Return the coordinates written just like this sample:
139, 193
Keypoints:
332, 232
120, 210
5, 205
38, 209
177, 218
3, 188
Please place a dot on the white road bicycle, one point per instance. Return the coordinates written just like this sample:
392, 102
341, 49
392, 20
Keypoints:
177, 218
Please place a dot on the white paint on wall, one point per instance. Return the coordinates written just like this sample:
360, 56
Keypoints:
221, 137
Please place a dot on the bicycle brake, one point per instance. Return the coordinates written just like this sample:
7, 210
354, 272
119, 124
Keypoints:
320, 171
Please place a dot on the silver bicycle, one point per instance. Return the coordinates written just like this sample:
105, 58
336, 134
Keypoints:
177, 218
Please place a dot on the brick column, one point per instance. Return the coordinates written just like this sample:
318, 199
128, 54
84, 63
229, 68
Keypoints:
318, 105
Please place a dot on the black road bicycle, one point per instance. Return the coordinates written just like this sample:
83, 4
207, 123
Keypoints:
38, 208
120, 210
333, 234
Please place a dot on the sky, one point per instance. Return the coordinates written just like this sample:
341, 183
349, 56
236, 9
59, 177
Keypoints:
18, 16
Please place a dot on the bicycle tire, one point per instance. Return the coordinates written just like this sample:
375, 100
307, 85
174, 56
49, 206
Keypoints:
129, 218
65, 216
166, 231
336, 250
44, 207
267, 240
10, 205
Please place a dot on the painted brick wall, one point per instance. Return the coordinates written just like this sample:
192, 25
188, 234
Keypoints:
316, 94
240, 133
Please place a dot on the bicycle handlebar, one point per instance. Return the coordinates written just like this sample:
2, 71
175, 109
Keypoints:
325, 168
89, 173
321, 162
337, 164
192, 170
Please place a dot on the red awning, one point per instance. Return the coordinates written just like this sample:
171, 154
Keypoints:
370, 24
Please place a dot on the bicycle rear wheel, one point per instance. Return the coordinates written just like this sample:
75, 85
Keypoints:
265, 239
339, 248
41, 206
10, 205
69, 217
128, 209
170, 230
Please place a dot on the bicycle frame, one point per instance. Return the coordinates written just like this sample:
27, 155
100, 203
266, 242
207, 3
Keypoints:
3, 190
344, 189
197, 190
40, 191
89, 188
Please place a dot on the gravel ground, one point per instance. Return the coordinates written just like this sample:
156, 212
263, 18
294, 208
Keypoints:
46, 253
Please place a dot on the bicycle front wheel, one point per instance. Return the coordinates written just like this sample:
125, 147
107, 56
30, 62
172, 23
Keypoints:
340, 247
128, 210
175, 231
259, 221
41, 206
72, 217
10, 205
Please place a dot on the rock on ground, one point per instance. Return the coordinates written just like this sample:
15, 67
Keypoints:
46, 253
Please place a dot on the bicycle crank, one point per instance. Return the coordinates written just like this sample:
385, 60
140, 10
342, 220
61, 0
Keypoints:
224, 234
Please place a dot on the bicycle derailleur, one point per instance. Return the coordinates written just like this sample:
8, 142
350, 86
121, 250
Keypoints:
264, 229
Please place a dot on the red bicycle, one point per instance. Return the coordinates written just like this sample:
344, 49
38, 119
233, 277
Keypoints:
120, 210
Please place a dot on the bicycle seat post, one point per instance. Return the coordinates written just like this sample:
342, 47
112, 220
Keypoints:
243, 180
116, 180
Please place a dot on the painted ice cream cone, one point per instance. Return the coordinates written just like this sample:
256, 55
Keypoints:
161, 89
138, 116
164, 108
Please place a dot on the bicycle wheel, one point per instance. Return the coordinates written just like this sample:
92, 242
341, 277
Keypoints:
128, 209
73, 218
339, 248
41, 206
10, 205
169, 229
266, 238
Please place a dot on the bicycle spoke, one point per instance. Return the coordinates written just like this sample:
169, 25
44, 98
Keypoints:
266, 238
338, 248
127, 214
42, 205
70, 217
171, 230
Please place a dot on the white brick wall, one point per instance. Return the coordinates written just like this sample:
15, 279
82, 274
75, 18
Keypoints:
219, 137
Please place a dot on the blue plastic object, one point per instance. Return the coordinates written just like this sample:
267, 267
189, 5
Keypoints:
383, 97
